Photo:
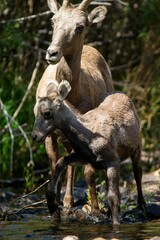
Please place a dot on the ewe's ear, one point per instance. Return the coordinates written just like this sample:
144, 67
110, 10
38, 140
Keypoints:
63, 89
52, 90
97, 15
53, 5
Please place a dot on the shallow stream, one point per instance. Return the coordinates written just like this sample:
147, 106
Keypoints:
40, 227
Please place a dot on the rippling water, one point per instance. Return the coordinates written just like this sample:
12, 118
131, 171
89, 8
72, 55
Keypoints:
39, 227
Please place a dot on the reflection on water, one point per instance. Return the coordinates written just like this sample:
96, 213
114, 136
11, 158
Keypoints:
40, 228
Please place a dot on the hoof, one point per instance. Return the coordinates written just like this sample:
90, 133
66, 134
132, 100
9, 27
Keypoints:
116, 222
51, 202
68, 201
57, 215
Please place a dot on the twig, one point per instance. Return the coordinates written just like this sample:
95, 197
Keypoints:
22, 19
120, 1
30, 205
34, 73
11, 133
24, 134
26, 195
121, 84
123, 3
125, 66
108, 3
33, 77
100, 3
29, 145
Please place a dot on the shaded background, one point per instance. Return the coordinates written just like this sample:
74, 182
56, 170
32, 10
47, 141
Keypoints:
129, 39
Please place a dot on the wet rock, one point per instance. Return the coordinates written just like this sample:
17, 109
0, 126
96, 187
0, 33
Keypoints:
87, 209
153, 211
154, 238
134, 215
99, 238
6, 196
12, 217
80, 196
70, 237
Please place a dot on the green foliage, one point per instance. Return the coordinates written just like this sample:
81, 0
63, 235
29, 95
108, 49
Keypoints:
150, 13
5, 150
101, 196
30, 179
149, 113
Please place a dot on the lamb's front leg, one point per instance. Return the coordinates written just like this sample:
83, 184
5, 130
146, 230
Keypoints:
113, 191
51, 194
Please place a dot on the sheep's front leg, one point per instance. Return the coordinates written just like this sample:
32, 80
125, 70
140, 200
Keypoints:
68, 200
90, 179
113, 192
51, 194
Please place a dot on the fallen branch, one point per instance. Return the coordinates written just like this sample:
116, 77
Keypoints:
6, 213
30, 206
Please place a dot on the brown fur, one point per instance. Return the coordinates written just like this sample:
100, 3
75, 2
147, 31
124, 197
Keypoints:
102, 137
85, 69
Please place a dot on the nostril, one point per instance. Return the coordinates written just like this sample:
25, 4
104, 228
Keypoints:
34, 136
52, 53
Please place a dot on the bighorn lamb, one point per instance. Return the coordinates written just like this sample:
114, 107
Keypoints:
85, 69
102, 137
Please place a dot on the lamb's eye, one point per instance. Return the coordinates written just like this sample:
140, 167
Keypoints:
47, 114
79, 29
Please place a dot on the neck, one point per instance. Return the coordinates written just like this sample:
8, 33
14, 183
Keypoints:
69, 68
79, 136
76, 132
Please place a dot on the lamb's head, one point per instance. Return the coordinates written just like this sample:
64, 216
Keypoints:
70, 23
47, 109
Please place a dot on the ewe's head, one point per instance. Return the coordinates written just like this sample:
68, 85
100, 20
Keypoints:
70, 23
47, 109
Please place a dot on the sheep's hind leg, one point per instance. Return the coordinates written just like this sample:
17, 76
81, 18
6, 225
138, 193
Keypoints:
135, 157
113, 192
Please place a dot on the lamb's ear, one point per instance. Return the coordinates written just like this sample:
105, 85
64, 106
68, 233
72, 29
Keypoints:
63, 89
53, 5
97, 15
52, 90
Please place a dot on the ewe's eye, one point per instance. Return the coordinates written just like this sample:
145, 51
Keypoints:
79, 29
47, 114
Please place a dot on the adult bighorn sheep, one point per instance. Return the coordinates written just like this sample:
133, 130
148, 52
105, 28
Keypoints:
84, 67
103, 137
